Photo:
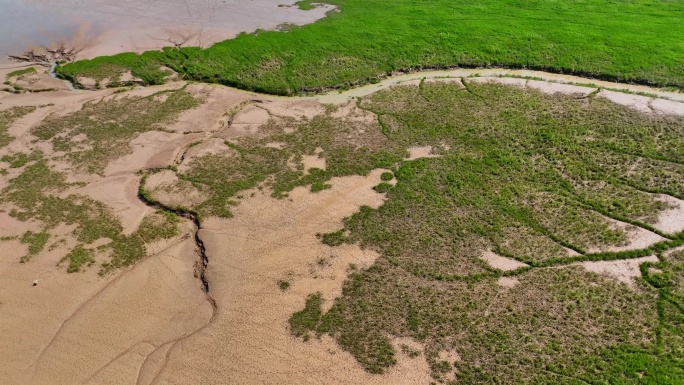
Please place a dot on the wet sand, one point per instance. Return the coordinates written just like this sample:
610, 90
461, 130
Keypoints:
152, 323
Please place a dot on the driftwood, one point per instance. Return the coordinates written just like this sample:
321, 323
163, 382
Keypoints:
46, 56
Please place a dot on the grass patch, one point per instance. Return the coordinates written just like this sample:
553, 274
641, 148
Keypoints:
283, 285
625, 41
21, 72
34, 195
383, 187
529, 176
350, 148
305, 5
78, 258
7, 117
306, 320
36, 243
159, 225
101, 131
21, 159
387, 176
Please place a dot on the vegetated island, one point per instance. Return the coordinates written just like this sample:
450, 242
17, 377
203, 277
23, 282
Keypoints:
364, 41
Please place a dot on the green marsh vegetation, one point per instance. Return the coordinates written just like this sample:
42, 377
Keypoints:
35, 195
365, 41
101, 131
530, 176
36, 243
7, 117
21, 72
89, 139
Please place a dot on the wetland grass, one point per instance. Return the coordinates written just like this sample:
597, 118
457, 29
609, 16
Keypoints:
530, 176
625, 42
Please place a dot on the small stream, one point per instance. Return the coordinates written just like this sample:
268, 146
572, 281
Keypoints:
53, 74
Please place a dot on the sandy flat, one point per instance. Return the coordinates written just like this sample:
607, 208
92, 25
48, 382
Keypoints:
623, 270
120, 193
671, 220
92, 346
421, 152
152, 323
502, 263
668, 106
267, 241
313, 161
508, 282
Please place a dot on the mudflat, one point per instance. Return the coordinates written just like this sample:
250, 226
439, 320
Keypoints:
173, 234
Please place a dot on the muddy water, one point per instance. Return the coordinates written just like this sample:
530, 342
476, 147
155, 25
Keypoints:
104, 27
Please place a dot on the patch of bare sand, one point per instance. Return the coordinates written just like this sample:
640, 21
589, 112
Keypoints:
668, 106
638, 102
151, 149
157, 303
623, 270
421, 152
671, 220
297, 109
508, 282
314, 161
500, 80
246, 121
212, 114
351, 112
161, 178
31, 315
644, 103
502, 263
445, 80
11, 226
637, 238
270, 240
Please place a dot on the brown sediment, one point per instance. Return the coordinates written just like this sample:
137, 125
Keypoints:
267, 241
110, 28
206, 306
501, 263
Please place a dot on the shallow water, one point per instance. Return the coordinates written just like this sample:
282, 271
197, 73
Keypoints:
102, 27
